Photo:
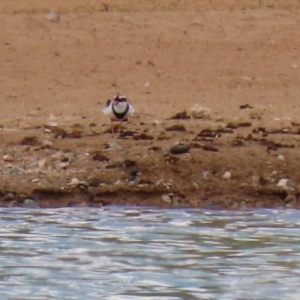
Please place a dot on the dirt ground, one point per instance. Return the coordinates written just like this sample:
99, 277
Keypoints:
237, 60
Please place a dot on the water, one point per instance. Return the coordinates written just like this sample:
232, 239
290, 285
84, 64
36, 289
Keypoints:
138, 253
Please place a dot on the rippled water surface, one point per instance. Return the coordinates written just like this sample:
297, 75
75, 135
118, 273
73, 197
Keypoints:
135, 253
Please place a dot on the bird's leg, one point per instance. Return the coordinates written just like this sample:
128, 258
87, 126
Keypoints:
120, 128
112, 126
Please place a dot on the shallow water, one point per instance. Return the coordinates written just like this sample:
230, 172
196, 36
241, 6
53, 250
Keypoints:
138, 253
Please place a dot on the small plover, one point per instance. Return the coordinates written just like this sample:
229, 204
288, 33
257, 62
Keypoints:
118, 109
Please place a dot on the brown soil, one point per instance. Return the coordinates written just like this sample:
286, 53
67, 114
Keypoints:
57, 76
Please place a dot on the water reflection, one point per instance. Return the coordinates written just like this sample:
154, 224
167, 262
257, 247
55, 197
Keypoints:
133, 253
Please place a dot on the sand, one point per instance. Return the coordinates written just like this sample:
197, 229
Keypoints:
237, 60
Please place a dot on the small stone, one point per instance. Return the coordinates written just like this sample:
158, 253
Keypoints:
8, 158
114, 145
29, 203
246, 106
227, 175
180, 149
237, 143
53, 16
25, 125
47, 144
210, 148
281, 157
284, 183
144, 136
97, 155
180, 116
30, 141
156, 122
63, 165
36, 180
233, 124
176, 127
129, 163
9, 196
42, 163
245, 124
74, 181
166, 199
291, 198
199, 112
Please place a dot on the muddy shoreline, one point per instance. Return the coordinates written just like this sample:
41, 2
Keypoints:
179, 163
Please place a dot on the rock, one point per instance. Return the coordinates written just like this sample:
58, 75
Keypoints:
291, 198
42, 163
237, 143
180, 116
75, 134
176, 127
156, 122
114, 145
8, 158
74, 182
281, 157
144, 136
63, 165
59, 133
246, 106
154, 148
115, 165
46, 144
180, 149
289, 205
129, 163
233, 124
97, 155
127, 134
53, 16
94, 181
245, 124
29, 203
25, 125
199, 112
227, 175
284, 183
30, 141
210, 148
166, 199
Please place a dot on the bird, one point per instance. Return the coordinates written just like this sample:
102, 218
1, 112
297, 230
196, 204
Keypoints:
118, 109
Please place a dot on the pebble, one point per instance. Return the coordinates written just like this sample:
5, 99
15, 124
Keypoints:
199, 112
166, 199
29, 203
233, 124
281, 157
114, 145
47, 144
227, 175
284, 183
291, 198
8, 158
63, 165
53, 16
180, 149
210, 148
74, 181
176, 127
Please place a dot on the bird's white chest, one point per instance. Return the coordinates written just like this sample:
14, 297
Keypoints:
120, 108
